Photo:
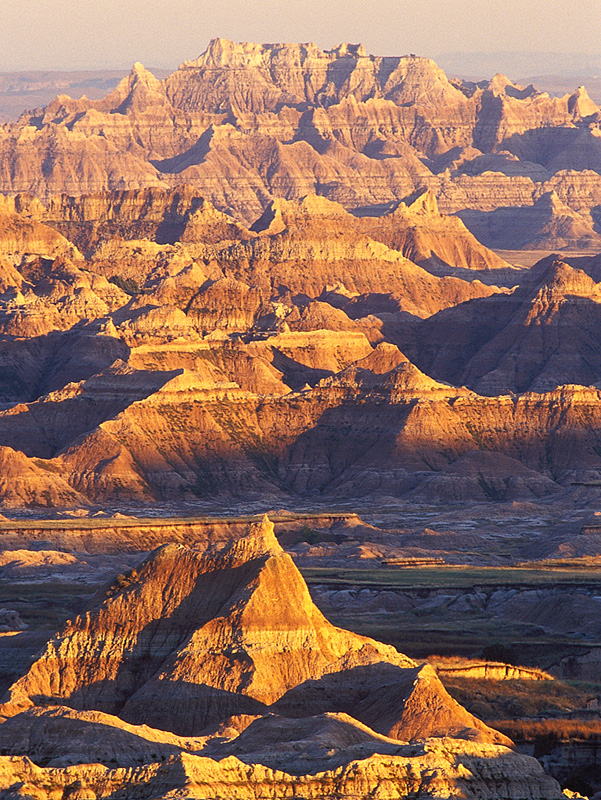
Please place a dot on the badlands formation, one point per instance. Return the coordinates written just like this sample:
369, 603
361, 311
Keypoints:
267, 282
246, 123
233, 361
215, 675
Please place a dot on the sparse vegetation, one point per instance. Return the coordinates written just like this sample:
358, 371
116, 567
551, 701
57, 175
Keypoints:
514, 699
310, 535
45, 605
549, 729
455, 576
128, 285
499, 652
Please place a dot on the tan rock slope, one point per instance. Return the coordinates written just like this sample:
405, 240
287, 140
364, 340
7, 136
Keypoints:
247, 123
446, 768
222, 360
542, 335
207, 438
433, 240
216, 642
546, 225
25, 483
188, 640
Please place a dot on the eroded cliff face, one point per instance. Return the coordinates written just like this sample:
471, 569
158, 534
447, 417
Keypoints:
538, 337
247, 123
246, 684
462, 770
235, 361
188, 640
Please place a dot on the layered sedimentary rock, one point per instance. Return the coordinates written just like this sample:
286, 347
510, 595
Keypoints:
546, 225
542, 335
246, 123
471, 770
239, 366
194, 439
186, 641
27, 483
418, 230
218, 643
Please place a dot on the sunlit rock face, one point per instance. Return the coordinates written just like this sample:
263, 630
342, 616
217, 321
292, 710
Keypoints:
219, 667
246, 123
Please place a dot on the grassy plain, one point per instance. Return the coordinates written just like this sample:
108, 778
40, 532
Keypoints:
437, 632
453, 577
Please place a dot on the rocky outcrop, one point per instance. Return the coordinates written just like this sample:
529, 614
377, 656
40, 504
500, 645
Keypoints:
195, 438
485, 476
493, 671
473, 770
161, 215
59, 737
11, 621
191, 638
37, 430
185, 641
425, 236
546, 225
543, 334
247, 123
21, 237
26, 482
222, 360
44, 284
318, 230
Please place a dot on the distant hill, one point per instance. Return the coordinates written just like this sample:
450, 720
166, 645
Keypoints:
24, 91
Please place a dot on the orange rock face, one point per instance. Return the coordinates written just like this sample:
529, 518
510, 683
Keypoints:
186, 641
212, 366
231, 644
247, 123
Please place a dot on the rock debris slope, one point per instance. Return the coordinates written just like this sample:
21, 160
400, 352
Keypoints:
230, 645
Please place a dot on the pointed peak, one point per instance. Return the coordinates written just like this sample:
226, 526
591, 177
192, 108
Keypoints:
140, 73
552, 203
136, 90
551, 200
422, 201
556, 278
500, 81
384, 358
259, 541
271, 220
263, 532
580, 103
500, 84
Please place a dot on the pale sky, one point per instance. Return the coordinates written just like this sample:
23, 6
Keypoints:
112, 34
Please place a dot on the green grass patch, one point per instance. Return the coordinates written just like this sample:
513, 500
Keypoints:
88, 523
450, 576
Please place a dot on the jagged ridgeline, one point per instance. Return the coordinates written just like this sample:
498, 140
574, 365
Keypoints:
245, 123
155, 349
190, 311
217, 673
